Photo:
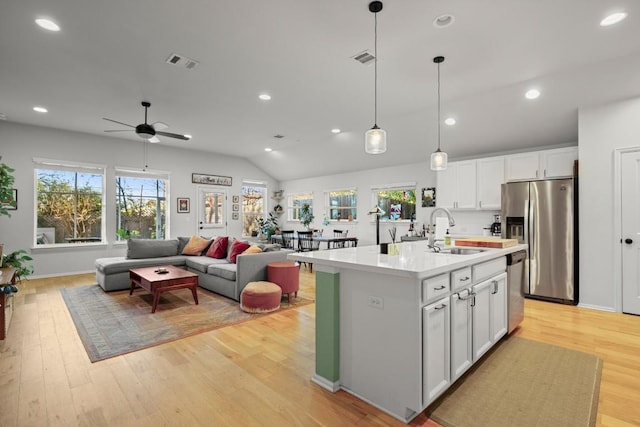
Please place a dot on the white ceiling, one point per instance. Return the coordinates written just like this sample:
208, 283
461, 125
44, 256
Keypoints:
110, 55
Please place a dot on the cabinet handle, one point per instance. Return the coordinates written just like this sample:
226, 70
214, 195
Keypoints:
464, 279
439, 288
537, 172
469, 296
545, 173
494, 287
439, 307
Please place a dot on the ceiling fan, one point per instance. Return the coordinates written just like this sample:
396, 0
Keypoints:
147, 131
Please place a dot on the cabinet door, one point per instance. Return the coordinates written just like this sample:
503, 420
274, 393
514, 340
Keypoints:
482, 336
435, 350
490, 180
446, 189
522, 166
559, 162
499, 319
461, 338
466, 185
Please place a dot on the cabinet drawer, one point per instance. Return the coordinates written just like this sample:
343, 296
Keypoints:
461, 278
487, 269
435, 287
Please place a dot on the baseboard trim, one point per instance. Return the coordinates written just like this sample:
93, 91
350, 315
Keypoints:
332, 386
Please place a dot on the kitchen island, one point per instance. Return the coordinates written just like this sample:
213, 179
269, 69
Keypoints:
398, 330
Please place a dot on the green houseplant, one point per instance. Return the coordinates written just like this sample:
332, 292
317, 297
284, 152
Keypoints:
306, 215
268, 225
18, 260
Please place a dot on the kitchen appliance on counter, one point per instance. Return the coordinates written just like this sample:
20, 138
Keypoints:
496, 226
543, 215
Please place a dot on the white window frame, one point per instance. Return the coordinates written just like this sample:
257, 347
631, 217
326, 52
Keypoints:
148, 174
69, 166
328, 207
375, 189
292, 209
265, 203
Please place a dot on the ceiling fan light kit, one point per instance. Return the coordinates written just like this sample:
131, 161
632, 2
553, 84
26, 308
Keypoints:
438, 157
375, 139
147, 131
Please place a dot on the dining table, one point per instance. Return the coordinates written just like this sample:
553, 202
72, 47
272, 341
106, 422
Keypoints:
277, 238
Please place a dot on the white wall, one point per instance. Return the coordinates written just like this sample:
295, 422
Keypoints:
19, 144
468, 223
601, 130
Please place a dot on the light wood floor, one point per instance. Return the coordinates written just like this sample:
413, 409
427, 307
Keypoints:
253, 374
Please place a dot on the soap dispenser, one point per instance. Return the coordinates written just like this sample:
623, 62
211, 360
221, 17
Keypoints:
447, 238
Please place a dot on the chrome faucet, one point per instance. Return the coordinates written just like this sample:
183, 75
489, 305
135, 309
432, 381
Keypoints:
432, 231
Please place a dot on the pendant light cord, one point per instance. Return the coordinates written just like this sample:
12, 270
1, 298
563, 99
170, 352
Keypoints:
375, 70
438, 106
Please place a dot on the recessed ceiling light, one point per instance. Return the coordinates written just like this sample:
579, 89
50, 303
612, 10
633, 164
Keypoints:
532, 94
265, 97
268, 149
449, 121
40, 109
443, 21
186, 135
47, 24
336, 130
614, 18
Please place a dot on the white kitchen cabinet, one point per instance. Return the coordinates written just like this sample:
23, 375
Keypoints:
436, 347
481, 319
461, 333
490, 179
499, 320
456, 187
555, 163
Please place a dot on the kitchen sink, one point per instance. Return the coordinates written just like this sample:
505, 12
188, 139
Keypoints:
460, 251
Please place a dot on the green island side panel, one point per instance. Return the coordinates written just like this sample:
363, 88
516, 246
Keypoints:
328, 325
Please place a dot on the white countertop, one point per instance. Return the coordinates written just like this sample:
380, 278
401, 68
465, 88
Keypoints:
415, 259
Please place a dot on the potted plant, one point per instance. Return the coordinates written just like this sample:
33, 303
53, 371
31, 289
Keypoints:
268, 225
18, 260
306, 215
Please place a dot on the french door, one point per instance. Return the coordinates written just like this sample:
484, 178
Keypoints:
212, 211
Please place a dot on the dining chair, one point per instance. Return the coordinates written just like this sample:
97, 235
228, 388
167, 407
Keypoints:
306, 243
288, 237
339, 233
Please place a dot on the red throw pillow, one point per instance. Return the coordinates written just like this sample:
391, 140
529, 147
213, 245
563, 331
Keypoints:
218, 248
236, 249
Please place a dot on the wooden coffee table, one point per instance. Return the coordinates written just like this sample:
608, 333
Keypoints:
155, 282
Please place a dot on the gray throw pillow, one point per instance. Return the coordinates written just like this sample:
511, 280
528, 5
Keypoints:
151, 248
272, 247
182, 242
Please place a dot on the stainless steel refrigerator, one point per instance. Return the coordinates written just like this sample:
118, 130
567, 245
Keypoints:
542, 214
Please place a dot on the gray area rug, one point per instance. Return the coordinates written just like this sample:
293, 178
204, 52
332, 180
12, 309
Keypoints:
524, 383
114, 323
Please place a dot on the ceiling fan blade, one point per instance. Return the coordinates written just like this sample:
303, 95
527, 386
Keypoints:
173, 135
120, 130
154, 139
115, 121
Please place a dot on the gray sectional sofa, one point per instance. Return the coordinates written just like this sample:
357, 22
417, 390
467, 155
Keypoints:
217, 275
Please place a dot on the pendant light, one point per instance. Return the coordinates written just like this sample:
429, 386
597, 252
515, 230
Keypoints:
375, 139
438, 158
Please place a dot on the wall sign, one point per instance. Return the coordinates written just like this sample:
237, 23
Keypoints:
201, 178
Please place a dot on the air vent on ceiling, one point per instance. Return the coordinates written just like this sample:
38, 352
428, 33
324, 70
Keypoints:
182, 61
278, 136
364, 57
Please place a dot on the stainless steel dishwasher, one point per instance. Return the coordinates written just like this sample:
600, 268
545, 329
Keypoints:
515, 285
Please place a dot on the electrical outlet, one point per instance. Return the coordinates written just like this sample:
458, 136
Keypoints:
376, 302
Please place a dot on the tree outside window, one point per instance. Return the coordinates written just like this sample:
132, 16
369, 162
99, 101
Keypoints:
69, 205
141, 207
397, 203
253, 207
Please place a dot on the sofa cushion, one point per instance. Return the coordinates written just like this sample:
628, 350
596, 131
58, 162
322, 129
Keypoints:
237, 248
269, 247
115, 265
253, 249
226, 270
202, 263
151, 248
182, 242
196, 246
218, 248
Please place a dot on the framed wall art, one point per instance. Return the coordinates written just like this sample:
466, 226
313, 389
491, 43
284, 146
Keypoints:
236, 199
201, 178
429, 197
12, 203
236, 207
184, 205
235, 216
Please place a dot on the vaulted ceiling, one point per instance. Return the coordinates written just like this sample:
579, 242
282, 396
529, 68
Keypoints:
111, 55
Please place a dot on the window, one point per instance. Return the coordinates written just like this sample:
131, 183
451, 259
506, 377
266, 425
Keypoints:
342, 204
253, 206
69, 202
295, 202
141, 204
398, 201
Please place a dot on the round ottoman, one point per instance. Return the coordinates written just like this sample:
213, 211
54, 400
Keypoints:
260, 297
286, 275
